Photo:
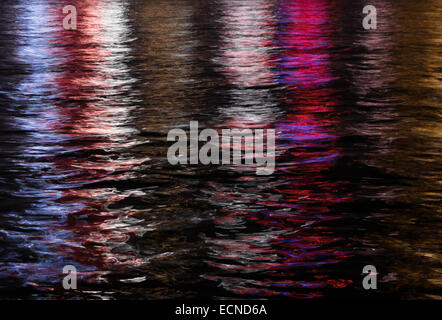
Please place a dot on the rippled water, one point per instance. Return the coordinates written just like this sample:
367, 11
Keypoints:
84, 178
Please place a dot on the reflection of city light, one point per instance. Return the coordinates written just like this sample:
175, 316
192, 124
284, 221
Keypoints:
247, 63
247, 40
291, 239
84, 113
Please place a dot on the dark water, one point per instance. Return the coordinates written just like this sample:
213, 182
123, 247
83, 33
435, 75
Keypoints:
84, 178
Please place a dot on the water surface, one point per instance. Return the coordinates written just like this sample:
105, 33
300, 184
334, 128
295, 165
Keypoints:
84, 178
